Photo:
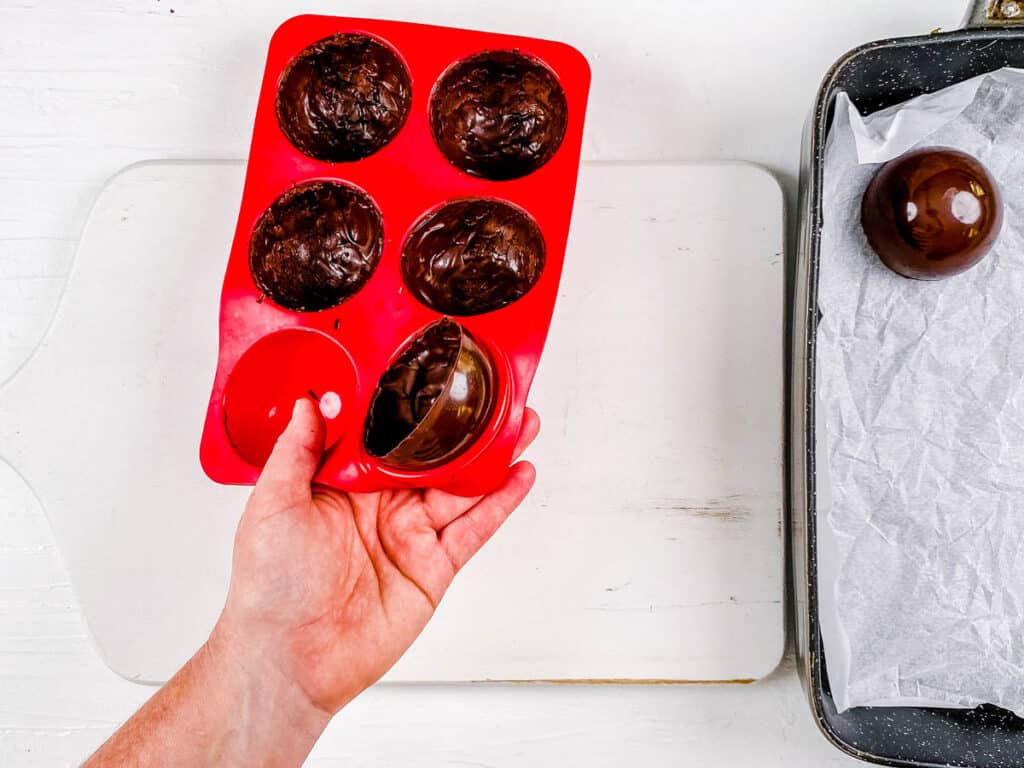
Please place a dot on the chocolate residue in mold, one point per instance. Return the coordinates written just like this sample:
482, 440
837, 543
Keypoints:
316, 246
343, 98
932, 213
498, 114
473, 256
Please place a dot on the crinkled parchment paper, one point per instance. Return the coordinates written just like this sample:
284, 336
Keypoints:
921, 427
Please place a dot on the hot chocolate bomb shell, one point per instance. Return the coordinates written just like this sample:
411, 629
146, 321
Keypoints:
411, 386
932, 213
343, 98
433, 402
473, 256
498, 114
316, 246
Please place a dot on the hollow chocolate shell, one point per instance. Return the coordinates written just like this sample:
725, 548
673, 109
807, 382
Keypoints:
498, 114
932, 213
316, 246
343, 98
433, 402
472, 256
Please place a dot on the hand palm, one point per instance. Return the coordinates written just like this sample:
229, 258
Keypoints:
348, 581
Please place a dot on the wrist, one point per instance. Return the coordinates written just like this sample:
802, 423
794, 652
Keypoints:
276, 723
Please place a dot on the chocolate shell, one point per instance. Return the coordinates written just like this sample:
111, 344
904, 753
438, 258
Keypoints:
498, 114
433, 402
316, 246
472, 256
343, 98
932, 213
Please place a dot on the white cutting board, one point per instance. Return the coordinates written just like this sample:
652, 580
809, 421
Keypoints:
651, 548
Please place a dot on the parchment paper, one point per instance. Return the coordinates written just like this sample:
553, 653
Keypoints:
921, 427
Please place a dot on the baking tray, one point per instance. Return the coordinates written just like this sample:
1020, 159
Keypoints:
879, 75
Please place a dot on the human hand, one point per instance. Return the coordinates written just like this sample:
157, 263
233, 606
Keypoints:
328, 589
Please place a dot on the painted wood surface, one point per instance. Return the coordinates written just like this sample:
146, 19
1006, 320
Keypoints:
89, 86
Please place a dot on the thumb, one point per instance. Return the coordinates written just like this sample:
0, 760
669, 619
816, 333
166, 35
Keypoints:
287, 476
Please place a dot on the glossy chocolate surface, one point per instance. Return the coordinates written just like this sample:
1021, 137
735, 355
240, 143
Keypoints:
432, 402
472, 256
498, 114
343, 98
932, 213
316, 246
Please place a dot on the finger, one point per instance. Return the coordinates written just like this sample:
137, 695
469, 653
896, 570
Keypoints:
441, 508
463, 537
287, 477
527, 433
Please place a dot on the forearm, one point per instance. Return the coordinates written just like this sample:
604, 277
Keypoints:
224, 707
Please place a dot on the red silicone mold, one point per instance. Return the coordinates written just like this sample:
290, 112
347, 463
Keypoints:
269, 355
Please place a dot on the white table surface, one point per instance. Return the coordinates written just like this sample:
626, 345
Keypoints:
89, 86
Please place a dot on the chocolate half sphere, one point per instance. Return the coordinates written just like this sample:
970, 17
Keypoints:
343, 98
932, 213
316, 246
433, 402
498, 114
472, 256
